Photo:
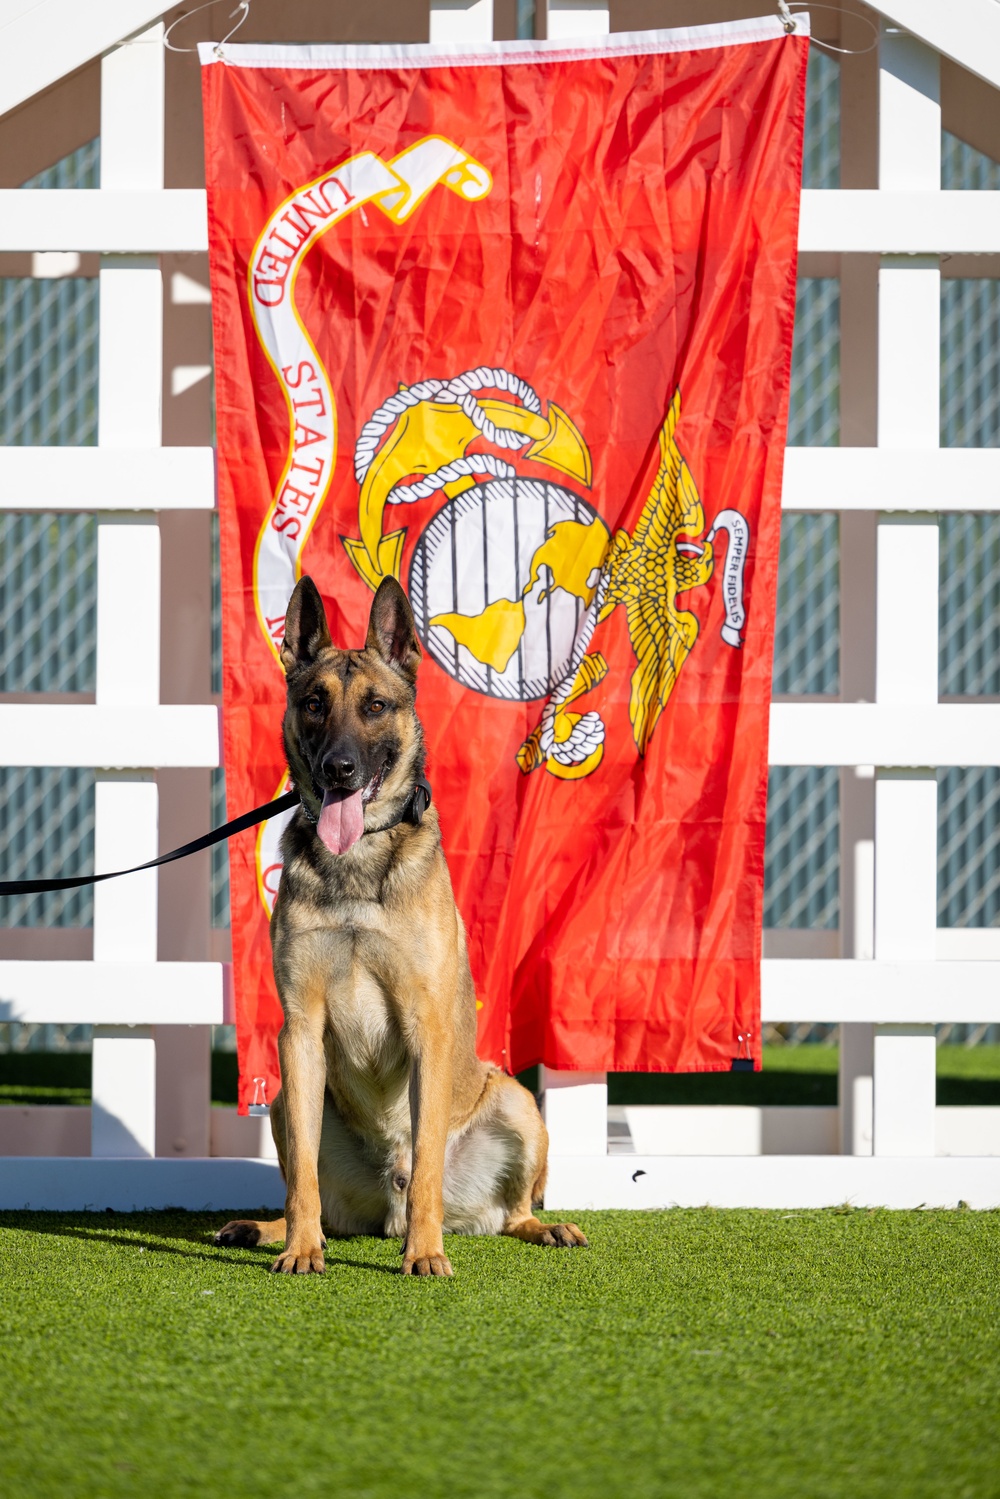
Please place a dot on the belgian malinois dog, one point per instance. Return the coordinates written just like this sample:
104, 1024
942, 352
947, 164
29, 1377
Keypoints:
387, 1122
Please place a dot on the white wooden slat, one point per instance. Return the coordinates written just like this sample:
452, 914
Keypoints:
575, 1110
801, 734
663, 1129
570, 19
769, 1181
458, 21
107, 479
863, 221
126, 823
116, 994
130, 378
116, 737
123, 1075
730, 1129
76, 1184
906, 669
904, 1055
906, 865
744, 1130
905, 1085
885, 734
886, 222
909, 98
941, 479
793, 990
133, 93
47, 39
574, 1182
123, 1092
107, 221
937, 479
909, 367
906, 632
967, 943
128, 612
967, 31
126, 806
834, 990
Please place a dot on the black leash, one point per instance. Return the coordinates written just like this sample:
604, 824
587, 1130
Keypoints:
414, 808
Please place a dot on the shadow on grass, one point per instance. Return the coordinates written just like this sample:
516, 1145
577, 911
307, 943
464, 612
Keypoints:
212, 1254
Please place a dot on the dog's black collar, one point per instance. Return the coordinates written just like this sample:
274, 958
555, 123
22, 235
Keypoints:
413, 810
414, 807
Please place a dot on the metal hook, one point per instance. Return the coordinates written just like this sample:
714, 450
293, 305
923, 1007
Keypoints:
242, 10
828, 46
243, 6
787, 19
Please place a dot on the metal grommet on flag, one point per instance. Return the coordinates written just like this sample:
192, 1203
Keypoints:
788, 15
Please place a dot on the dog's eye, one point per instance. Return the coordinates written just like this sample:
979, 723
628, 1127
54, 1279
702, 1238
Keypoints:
376, 706
313, 705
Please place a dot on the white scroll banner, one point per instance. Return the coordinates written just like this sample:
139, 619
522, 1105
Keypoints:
268, 851
397, 188
737, 528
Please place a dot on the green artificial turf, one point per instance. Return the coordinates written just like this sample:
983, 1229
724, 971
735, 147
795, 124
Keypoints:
688, 1353
792, 1075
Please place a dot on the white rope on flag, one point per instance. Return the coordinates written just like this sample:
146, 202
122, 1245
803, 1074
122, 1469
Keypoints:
462, 390
585, 736
483, 464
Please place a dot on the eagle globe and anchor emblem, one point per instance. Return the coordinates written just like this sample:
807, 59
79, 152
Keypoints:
513, 574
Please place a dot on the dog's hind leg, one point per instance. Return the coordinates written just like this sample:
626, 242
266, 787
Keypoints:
520, 1113
246, 1232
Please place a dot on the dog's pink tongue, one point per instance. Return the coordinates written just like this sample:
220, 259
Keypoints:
341, 820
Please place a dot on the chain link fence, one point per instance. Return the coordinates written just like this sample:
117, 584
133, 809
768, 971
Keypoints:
964, 169
821, 153
48, 562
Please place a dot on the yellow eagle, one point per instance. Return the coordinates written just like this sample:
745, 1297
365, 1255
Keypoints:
645, 572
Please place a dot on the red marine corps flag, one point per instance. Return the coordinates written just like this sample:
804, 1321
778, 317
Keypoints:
514, 326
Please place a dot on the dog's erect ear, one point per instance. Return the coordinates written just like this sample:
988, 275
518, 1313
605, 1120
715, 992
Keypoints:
306, 630
391, 631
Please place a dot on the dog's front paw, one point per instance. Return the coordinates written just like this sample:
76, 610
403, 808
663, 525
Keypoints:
300, 1260
420, 1261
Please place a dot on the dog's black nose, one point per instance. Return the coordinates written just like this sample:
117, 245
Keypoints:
338, 768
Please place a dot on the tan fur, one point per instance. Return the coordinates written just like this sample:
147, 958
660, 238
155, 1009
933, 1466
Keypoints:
387, 1121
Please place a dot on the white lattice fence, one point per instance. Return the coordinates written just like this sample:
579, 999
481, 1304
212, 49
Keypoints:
906, 733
